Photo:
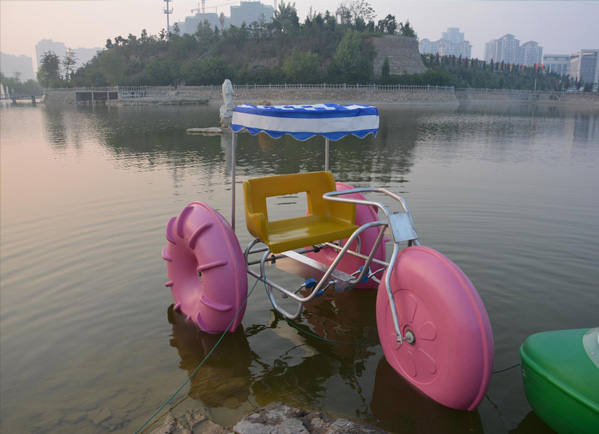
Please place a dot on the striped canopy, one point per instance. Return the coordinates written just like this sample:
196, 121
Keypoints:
332, 121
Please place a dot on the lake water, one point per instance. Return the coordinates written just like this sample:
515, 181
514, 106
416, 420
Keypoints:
89, 341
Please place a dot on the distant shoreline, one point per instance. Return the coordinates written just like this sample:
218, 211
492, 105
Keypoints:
306, 94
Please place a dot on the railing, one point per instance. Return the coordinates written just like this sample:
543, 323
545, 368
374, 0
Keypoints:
325, 86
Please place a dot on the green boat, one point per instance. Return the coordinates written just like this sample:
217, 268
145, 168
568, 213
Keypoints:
560, 370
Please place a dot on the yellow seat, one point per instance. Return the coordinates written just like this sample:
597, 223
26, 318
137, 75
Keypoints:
325, 221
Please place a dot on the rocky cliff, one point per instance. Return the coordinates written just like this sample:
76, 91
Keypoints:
402, 53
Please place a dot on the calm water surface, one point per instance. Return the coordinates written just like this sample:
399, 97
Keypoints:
89, 341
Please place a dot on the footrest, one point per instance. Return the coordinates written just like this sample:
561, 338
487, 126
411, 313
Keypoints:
305, 266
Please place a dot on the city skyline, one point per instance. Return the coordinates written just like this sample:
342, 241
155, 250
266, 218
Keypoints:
481, 21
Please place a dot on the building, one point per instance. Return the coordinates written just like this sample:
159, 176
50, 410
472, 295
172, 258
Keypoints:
84, 55
504, 49
190, 25
48, 45
250, 11
452, 43
557, 63
20, 67
584, 66
530, 54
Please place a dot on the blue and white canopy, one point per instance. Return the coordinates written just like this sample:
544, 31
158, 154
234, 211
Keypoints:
332, 121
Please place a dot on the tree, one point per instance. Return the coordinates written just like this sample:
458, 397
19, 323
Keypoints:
387, 25
285, 18
48, 73
69, 62
302, 67
356, 12
351, 64
162, 72
385, 72
406, 30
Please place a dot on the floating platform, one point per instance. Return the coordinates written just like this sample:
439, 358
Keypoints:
208, 130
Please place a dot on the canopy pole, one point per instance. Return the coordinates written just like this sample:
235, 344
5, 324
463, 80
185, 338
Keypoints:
233, 164
326, 154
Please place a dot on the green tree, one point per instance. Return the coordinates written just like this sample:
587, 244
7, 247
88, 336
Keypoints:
387, 25
285, 19
162, 72
208, 71
406, 30
112, 64
301, 67
385, 72
350, 63
48, 73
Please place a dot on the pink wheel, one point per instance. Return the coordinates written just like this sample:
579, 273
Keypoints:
451, 358
206, 268
349, 264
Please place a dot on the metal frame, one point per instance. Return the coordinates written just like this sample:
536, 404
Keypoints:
401, 229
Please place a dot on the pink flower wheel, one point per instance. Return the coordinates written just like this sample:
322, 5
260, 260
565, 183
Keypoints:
451, 357
206, 268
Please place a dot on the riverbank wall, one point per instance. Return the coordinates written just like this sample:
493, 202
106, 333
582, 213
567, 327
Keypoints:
307, 94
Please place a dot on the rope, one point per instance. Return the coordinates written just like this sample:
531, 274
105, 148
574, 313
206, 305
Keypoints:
506, 369
201, 363
309, 333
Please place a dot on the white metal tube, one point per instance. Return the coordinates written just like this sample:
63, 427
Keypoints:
233, 164
326, 154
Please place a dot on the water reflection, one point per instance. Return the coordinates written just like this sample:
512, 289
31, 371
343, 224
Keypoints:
402, 408
224, 379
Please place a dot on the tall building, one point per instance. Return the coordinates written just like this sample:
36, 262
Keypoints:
557, 63
249, 12
504, 49
529, 54
190, 25
451, 43
84, 55
584, 66
16, 66
46, 45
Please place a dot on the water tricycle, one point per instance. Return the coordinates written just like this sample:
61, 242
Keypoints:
432, 324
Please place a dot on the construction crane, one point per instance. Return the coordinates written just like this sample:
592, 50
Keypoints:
203, 8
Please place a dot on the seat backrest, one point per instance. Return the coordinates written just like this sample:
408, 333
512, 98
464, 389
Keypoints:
314, 184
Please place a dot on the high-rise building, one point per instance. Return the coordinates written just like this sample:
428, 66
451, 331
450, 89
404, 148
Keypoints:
584, 66
48, 45
190, 25
529, 54
250, 11
20, 67
557, 63
504, 49
452, 43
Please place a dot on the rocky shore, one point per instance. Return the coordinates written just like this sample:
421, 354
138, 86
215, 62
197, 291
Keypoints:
275, 418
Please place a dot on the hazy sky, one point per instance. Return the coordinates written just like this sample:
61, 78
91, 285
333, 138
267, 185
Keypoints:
560, 27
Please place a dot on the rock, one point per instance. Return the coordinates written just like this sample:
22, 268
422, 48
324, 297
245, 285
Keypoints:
191, 423
278, 418
275, 418
99, 415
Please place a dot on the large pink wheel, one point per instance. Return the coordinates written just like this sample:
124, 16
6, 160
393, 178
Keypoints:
206, 268
349, 264
451, 358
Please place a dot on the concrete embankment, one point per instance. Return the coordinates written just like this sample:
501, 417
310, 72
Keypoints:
306, 94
